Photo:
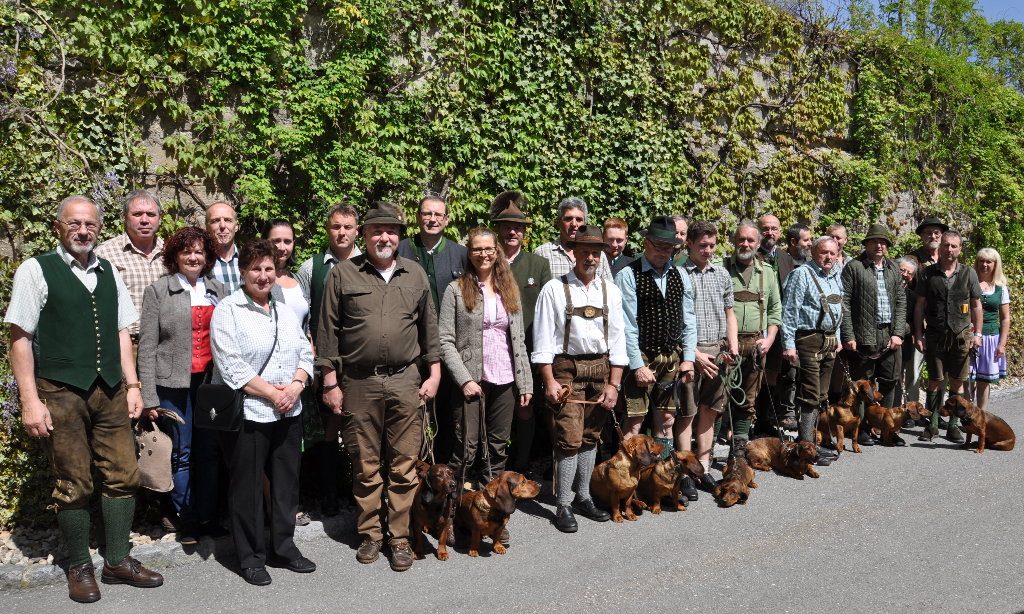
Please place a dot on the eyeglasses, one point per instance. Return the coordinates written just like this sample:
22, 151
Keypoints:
76, 224
483, 251
433, 215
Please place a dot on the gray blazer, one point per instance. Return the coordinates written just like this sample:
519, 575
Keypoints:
461, 335
165, 335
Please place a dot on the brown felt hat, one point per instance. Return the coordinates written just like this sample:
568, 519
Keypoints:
508, 207
588, 235
931, 221
380, 214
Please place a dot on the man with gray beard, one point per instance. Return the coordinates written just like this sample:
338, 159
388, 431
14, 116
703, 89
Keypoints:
376, 321
758, 308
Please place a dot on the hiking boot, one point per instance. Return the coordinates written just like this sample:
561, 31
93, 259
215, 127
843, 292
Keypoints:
368, 551
955, 435
688, 490
864, 439
82, 585
401, 555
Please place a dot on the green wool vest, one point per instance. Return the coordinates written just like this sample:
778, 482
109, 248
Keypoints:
317, 282
77, 333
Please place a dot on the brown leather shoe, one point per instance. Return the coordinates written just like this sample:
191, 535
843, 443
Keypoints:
401, 555
368, 551
82, 585
131, 572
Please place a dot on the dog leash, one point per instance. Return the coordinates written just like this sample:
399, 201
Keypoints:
563, 399
429, 421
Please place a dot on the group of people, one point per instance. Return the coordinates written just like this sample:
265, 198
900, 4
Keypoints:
423, 347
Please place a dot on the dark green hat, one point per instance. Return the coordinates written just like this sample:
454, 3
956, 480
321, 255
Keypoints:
931, 221
508, 207
662, 228
588, 235
877, 231
383, 213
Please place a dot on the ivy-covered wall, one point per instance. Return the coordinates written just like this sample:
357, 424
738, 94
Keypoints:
718, 108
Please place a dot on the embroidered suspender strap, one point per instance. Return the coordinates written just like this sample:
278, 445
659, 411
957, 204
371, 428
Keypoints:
568, 314
825, 301
747, 296
588, 312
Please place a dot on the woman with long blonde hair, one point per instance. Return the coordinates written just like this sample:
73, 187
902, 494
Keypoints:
989, 364
483, 345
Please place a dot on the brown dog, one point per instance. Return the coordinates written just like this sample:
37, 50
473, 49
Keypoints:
486, 512
664, 479
432, 509
841, 418
794, 459
737, 480
614, 481
993, 432
889, 420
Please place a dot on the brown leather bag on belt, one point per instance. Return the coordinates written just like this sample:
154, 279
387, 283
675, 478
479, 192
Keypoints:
153, 447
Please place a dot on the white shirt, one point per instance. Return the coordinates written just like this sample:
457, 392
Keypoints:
196, 294
586, 336
29, 293
294, 298
241, 335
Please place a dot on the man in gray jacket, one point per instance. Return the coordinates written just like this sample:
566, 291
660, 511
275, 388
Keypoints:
874, 318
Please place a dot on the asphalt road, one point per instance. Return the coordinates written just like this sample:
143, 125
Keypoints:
924, 528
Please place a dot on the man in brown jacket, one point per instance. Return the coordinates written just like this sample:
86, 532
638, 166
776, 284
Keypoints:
377, 320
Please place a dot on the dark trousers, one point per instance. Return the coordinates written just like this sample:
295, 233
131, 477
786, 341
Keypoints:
817, 353
195, 462
885, 370
272, 447
499, 405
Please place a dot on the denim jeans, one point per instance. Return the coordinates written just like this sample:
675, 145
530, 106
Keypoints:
194, 457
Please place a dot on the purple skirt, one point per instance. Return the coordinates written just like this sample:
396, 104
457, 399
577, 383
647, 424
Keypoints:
985, 367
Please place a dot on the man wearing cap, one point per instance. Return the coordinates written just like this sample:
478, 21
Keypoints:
949, 302
578, 342
758, 309
874, 318
72, 360
572, 213
717, 344
812, 313
531, 272
377, 320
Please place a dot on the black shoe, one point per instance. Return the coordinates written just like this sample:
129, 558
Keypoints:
943, 423
587, 509
909, 423
864, 439
299, 565
188, 537
927, 434
955, 435
826, 453
898, 441
257, 576
564, 520
824, 461
707, 483
688, 490
213, 529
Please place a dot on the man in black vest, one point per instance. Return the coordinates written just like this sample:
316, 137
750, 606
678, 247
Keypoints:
531, 272
79, 391
342, 229
949, 302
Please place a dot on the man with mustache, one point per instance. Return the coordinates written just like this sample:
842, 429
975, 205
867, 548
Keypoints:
572, 213
770, 229
376, 322
930, 231
758, 309
79, 391
222, 224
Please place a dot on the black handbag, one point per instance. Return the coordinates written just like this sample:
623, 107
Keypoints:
219, 406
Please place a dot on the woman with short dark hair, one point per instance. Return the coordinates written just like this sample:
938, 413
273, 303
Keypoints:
174, 355
251, 331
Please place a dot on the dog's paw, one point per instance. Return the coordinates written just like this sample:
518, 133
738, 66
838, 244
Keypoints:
616, 518
753, 484
442, 556
499, 549
474, 553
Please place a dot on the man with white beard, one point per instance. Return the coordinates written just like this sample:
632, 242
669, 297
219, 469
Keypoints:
377, 320
758, 309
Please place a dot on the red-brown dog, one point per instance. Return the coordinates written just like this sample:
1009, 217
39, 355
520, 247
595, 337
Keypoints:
432, 509
795, 459
889, 420
664, 479
841, 419
993, 432
486, 512
614, 481
737, 480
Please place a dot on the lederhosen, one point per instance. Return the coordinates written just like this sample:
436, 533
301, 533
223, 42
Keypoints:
577, 426
818, 347
753, 366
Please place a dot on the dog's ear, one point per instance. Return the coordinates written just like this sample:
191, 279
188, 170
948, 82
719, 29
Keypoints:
502, 495
422, 469
630, 445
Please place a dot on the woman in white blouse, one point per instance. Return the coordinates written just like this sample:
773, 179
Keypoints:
245, 326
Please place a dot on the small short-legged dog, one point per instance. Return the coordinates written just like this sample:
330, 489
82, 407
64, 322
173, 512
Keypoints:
993, 432
486, 512
664, 479
433, 507
889, 420
614, 481
794, 459
841, 417
737, 480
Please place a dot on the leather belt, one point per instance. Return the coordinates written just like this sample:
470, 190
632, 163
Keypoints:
376, 370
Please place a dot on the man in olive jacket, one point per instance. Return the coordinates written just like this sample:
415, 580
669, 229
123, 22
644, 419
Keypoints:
874, 317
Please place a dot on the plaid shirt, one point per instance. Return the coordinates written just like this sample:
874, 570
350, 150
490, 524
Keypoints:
712, 295
226, 271
562, 263
137, 269
884, 306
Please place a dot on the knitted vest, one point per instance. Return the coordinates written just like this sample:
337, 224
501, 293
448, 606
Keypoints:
658, 318
77, 332
947, 307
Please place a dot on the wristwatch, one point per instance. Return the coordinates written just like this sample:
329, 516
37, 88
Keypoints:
136, 385
329, 388
618, 387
